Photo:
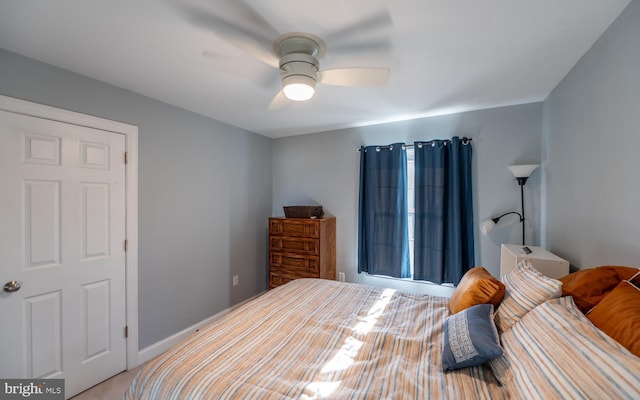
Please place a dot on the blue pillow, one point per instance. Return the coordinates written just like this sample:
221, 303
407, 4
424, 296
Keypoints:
470, 338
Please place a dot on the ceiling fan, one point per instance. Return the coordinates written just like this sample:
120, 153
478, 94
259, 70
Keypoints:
297, 55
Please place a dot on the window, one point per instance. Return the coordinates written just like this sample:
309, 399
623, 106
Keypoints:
411, 209
415, 210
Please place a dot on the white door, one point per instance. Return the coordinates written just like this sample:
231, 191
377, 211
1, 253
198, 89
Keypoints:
62, 232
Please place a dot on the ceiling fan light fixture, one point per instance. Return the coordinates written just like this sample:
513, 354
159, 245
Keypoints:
299, 74
298, 87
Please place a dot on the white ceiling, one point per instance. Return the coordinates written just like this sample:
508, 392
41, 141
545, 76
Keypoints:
445, 56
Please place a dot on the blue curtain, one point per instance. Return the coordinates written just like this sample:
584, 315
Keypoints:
443, 247
383, 238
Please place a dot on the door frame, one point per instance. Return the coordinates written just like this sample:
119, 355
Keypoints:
28, 108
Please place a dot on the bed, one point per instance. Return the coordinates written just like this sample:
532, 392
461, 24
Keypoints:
312, 339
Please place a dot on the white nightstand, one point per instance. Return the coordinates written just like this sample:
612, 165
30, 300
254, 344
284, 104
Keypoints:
544, 261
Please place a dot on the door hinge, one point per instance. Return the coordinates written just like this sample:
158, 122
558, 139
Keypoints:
126, 331
126, 157
126, 244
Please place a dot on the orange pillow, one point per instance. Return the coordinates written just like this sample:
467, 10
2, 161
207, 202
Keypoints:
618, 315
589, 286
477, 286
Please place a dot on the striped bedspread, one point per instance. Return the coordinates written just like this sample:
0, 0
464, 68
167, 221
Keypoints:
312, 339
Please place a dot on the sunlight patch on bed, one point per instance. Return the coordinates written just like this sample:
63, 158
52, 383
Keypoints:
366, 323
320, 389
346, 355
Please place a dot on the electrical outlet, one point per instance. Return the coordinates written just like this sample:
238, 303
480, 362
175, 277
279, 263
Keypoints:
235, 280
341, 276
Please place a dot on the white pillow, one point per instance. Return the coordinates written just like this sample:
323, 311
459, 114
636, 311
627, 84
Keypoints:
525, 288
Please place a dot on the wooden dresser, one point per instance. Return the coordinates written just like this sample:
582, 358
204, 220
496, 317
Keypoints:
301, 248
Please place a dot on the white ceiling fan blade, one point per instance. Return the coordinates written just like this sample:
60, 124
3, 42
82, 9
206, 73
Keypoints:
259, 74
354, 76
253, 48
254, 44
255, 19
377, 46
376, 22
279, 101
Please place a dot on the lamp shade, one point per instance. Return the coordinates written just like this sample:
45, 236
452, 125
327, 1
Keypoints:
487, 226
298, 87
522, 171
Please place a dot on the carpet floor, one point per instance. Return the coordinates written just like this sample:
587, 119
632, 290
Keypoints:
111, 389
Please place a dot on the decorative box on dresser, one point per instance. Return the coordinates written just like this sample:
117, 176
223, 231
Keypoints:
544, 261
301, 248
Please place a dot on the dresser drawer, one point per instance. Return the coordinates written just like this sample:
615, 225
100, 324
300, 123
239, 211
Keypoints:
295, 245
301, 248
275, 279
297, 228
295, 263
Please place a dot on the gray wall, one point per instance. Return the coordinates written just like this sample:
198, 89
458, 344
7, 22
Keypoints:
591, 142
204, 196
322, 168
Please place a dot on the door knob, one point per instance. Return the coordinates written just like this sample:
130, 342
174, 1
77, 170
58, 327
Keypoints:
11, 286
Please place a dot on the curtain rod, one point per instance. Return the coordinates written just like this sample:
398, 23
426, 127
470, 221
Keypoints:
465, 141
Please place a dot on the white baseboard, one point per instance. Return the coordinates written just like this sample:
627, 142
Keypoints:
154, 350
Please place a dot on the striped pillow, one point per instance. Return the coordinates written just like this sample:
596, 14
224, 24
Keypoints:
501, 367
526, 288
554, 352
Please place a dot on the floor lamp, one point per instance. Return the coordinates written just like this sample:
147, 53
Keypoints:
522, 173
